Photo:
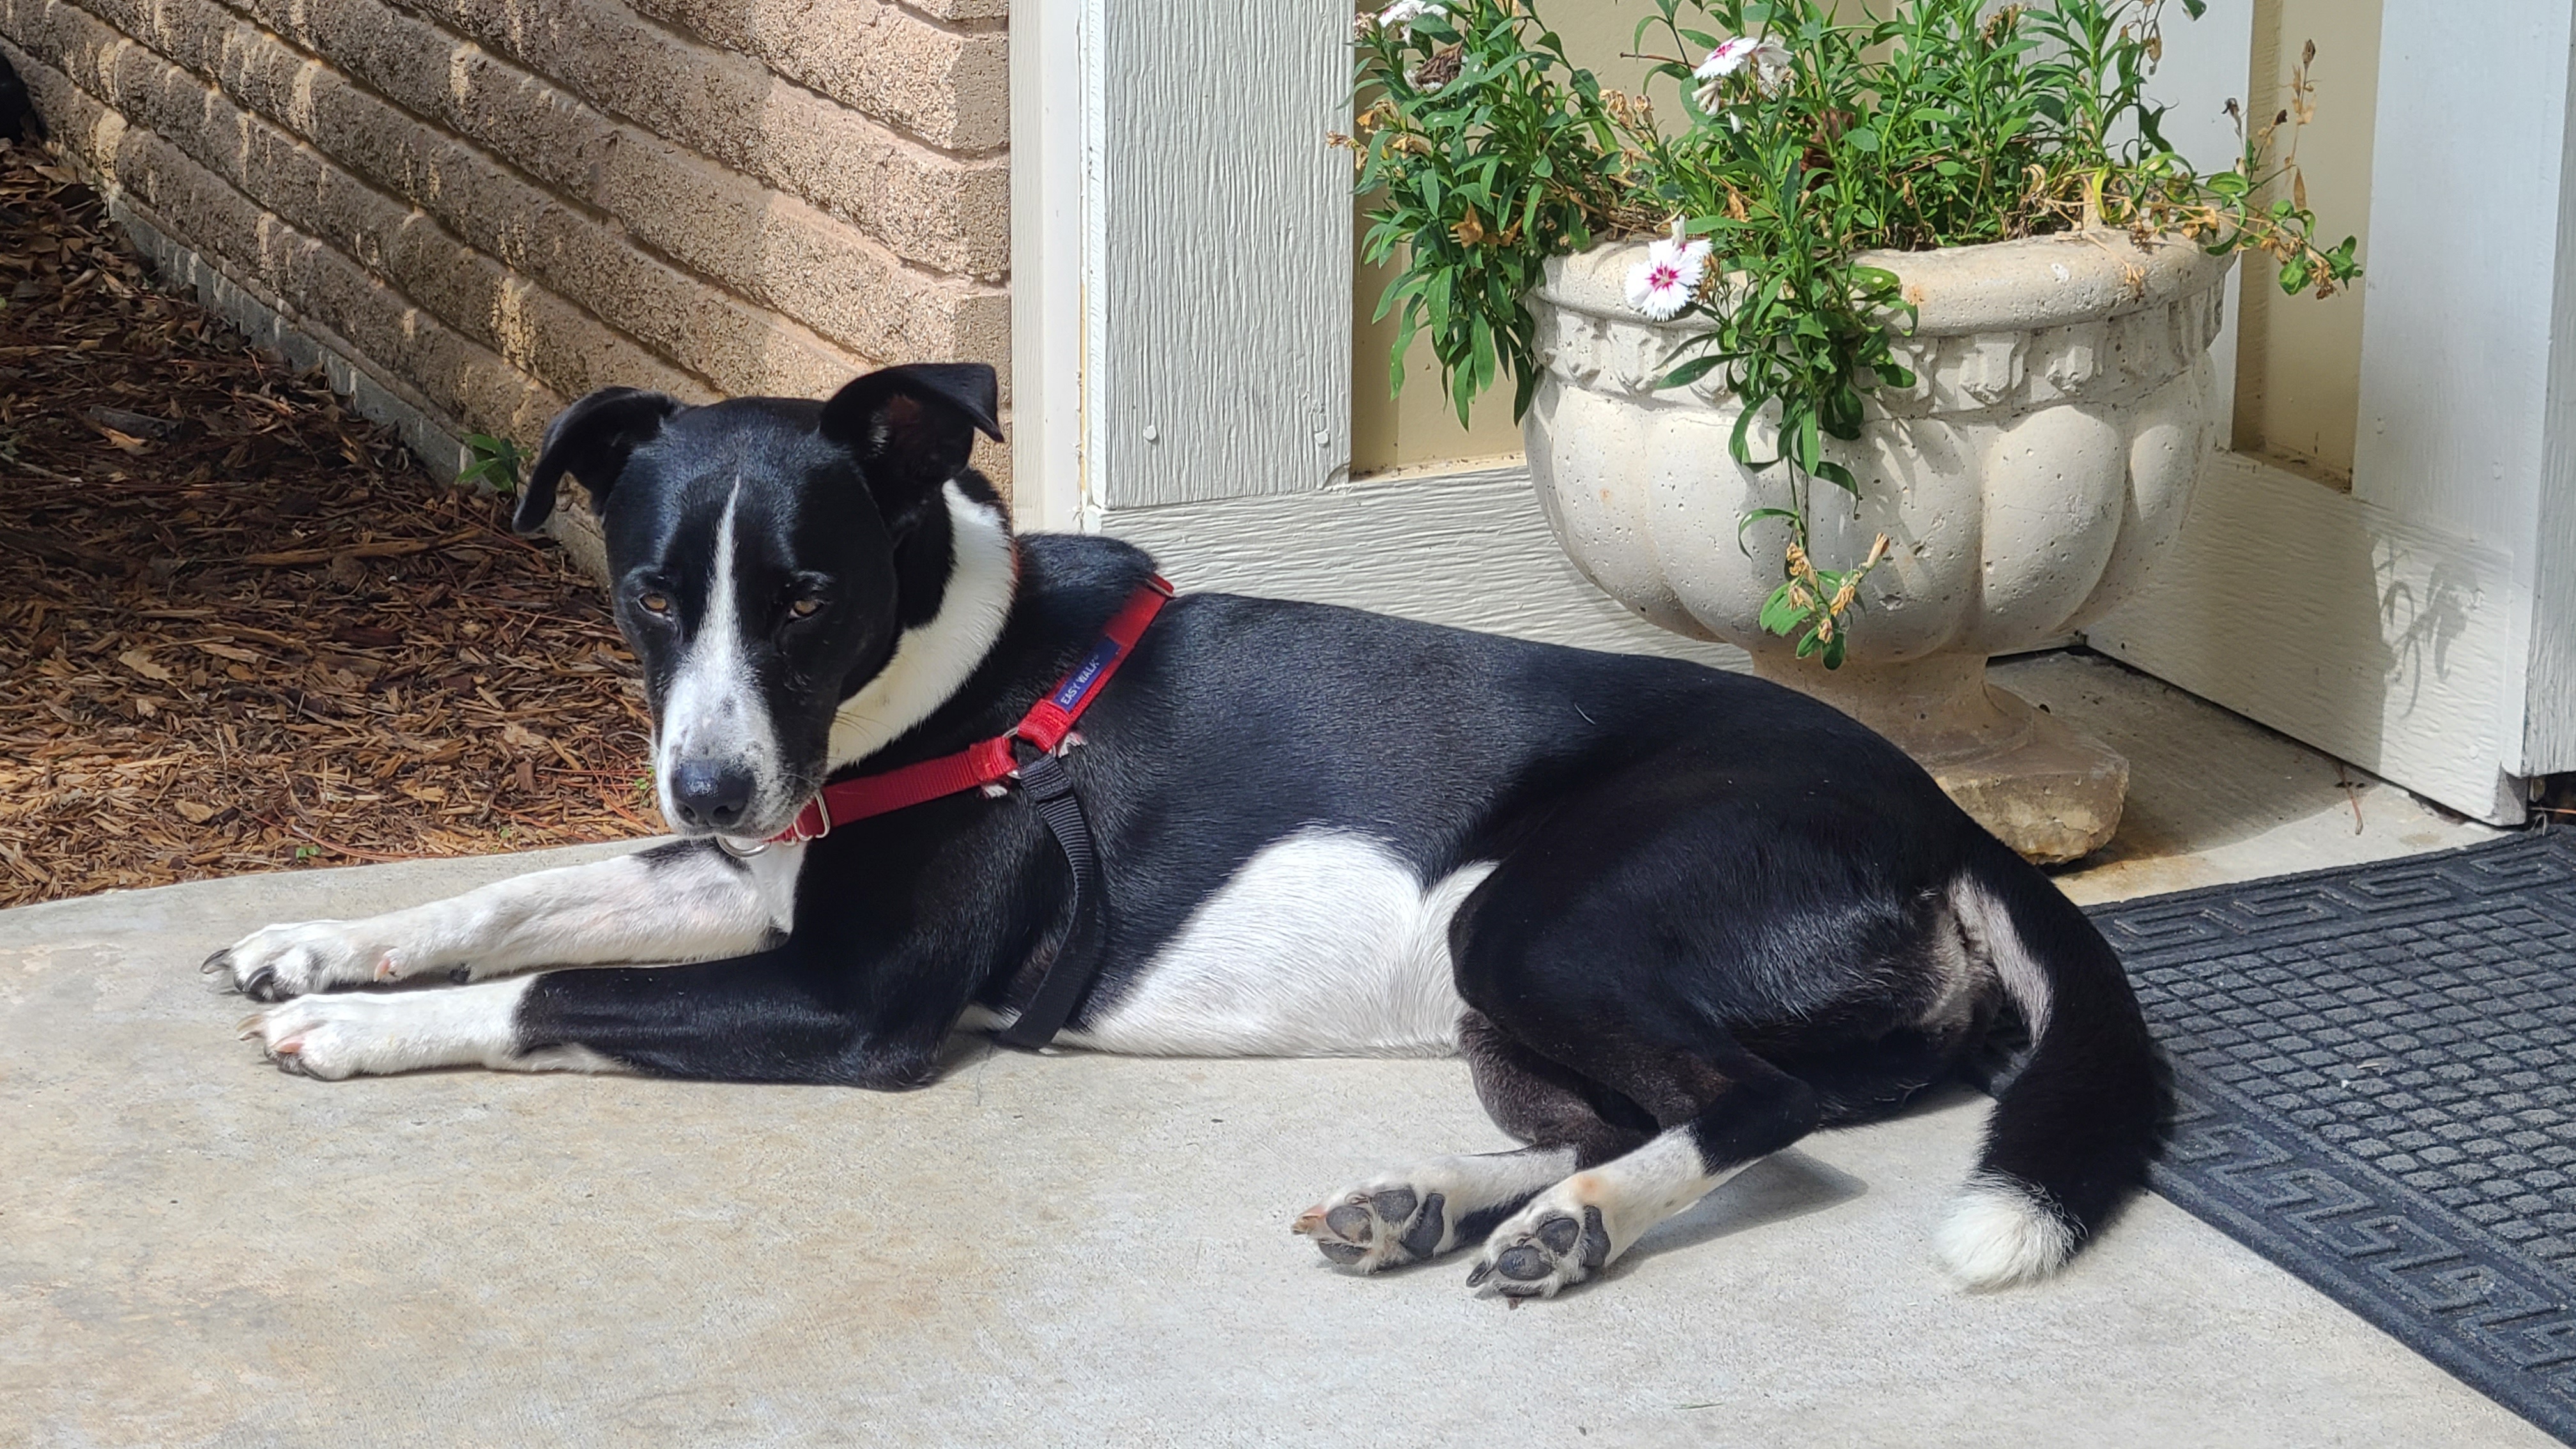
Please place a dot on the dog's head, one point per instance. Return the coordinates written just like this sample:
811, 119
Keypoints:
789, 573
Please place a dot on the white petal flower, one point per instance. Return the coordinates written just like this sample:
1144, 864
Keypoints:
1664, 283
1769, 59
1405, 12
1771, 67
1727, 59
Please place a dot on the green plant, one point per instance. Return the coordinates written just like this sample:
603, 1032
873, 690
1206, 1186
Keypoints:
492, 461
1804, 139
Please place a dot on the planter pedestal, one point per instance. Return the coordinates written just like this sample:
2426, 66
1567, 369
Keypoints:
2044, 787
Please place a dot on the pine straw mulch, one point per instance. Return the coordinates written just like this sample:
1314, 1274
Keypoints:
239, 629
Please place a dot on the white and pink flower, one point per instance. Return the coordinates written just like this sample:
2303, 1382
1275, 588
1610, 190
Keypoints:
1665, 282
1769, 59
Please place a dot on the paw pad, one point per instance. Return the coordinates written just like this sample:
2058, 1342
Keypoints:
1381, 1228
1554, 1252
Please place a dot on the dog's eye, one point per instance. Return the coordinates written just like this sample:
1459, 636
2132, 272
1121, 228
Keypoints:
656, 603
805, 608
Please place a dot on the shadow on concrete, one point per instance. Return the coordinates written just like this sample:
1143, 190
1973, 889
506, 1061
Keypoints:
1785, 1185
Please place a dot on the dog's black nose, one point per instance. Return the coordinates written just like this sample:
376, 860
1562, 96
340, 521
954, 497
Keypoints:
711, 793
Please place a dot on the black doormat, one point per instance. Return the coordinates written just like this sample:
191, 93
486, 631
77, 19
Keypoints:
2376, 1072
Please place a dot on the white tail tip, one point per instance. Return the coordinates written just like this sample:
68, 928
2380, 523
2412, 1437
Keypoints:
2001, 1232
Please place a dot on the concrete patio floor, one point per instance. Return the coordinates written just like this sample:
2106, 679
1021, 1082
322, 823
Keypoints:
197, 1249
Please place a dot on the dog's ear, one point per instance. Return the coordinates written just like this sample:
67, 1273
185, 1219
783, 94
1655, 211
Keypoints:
911, 428
590, 440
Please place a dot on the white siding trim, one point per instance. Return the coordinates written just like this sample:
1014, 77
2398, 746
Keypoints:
1468, 549
2381, 640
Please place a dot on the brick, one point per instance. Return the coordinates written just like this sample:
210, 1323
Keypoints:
735, 346
734, 112
537, 331
512, 218
300, 276
950, 87
939, 212
963, 11
706, 221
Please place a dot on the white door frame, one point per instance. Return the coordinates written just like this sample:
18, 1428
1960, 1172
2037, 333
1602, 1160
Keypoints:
1181, 256
2408, 626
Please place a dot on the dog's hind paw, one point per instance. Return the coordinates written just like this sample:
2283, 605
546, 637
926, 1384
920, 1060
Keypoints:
1383, 1224
1548, 1245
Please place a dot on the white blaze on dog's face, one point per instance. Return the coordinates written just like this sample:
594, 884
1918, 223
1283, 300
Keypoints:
716, 748
776, 563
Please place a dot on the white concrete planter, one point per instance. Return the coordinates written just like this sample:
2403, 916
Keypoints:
2063, 406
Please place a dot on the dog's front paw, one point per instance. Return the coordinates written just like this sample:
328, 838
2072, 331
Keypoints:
1381, 1224
278, 962
1557, 1241
366, 1033
330, 1037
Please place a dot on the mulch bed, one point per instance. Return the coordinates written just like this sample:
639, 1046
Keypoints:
239, 628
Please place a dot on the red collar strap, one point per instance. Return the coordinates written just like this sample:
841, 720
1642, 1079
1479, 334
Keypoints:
987, 762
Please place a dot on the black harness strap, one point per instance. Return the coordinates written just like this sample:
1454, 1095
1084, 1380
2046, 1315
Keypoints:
1068, 977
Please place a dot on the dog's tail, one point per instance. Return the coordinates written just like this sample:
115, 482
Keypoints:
2073, 1132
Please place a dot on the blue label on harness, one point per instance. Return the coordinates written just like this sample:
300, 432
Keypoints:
1103, 654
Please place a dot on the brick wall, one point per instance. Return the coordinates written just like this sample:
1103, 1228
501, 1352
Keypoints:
474, 211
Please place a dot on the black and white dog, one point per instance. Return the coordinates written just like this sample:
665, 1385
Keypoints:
1675, 919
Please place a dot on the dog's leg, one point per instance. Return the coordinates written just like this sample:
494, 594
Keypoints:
1454, 1202
352, 1033
683, 901
1574, 1230
780, 1016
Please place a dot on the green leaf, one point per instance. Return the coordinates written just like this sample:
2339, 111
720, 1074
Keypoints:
1752, 516
493, 461
1779, 614
1739, 442
1688, 373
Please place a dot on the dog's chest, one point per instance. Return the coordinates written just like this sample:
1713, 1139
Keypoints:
1324, 944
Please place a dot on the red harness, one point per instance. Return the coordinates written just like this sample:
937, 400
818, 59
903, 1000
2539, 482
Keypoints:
986, 762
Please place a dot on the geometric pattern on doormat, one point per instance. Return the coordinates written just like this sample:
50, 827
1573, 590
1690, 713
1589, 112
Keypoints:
2375, 1070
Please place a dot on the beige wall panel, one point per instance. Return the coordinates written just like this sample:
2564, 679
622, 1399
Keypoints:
2298, 359
1419, 427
